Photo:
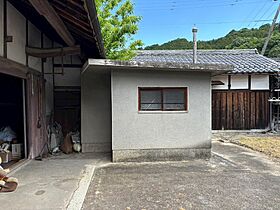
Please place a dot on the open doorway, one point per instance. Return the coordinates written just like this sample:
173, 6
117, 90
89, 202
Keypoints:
67, 106
12, 125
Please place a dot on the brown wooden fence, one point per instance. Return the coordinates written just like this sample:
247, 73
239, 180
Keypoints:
240, 110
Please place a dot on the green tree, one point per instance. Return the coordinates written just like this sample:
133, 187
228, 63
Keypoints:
242, 39
118, 26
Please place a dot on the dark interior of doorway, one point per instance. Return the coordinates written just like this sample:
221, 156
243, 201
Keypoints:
67, 101
12, 114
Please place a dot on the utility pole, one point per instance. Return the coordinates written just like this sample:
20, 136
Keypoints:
270, 30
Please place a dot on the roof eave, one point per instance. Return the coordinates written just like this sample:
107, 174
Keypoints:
214, 69
91, 8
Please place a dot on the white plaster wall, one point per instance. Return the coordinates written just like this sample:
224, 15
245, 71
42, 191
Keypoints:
1, 28
17, 29
66, 59
239, 81
34, 40
260, 82
134, 130
71, 77
96, 132
222, 78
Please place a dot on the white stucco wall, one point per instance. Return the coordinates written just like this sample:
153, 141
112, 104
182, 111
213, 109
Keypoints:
239, 81
96, 133
222, 78
70, 76
133, 130
260, 82
16, 28
1, 28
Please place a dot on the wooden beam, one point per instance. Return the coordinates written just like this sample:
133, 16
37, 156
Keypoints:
52, 52
74, 20
12, 68
44, 8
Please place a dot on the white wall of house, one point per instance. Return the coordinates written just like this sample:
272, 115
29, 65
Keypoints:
16, 24
260, 82
222, 78
69, 77
96, 132
241, 82
160, 130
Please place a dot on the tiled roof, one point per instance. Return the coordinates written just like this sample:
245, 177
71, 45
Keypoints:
277, 59
244, 61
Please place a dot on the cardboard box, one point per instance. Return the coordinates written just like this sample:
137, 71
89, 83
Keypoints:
6, 157
16, 151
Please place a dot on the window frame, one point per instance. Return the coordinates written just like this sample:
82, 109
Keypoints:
161, 89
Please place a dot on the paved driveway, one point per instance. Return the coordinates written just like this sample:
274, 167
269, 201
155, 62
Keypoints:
54, 183
234, 178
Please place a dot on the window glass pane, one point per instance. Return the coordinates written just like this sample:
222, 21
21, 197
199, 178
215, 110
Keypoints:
174, 99
150, 99
150, 106
174, 106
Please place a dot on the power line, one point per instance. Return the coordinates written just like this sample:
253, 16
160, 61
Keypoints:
216, 23
262, 7
270, 14
263, 14
153, 9
164, 3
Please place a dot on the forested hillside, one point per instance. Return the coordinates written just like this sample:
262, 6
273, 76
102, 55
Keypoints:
242, 39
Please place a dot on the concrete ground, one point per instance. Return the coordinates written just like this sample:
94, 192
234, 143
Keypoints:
234, 178
54, 183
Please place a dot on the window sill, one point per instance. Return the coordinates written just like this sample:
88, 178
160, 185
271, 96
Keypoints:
162, 112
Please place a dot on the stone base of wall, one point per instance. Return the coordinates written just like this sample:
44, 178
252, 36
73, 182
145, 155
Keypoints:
150, 155
96, 148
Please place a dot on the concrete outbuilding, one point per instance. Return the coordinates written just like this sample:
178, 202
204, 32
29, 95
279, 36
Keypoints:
145, 111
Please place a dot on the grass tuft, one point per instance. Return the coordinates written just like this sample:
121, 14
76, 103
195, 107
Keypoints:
268, 145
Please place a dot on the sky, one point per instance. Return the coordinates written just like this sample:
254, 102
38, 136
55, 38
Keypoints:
165, 20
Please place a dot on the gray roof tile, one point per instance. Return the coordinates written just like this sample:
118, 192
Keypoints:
244, 61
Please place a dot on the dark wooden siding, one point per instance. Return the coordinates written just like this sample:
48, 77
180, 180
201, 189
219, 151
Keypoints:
240, 109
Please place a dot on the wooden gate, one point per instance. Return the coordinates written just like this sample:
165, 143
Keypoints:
240, 110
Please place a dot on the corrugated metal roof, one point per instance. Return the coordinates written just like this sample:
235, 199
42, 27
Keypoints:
244, 61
